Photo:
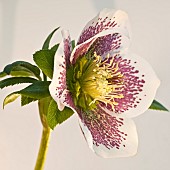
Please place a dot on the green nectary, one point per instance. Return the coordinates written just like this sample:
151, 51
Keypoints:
79, 75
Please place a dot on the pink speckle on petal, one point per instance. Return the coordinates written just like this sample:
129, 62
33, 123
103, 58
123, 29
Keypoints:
104, 128
107, 43
67, 50
62, 82
101, 25
132, 85
82, 49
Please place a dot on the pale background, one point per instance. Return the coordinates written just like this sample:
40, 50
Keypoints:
23, 27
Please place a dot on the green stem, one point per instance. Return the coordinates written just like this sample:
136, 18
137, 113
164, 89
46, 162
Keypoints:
45, 138
43, 149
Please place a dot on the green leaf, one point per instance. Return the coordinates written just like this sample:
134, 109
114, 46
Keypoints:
19, 68
45, 61
18, 72
55, 116
55, 47
157, 106
26, 100
10, 98
46, 47
47, 41
37, 90
16, 80
23, 73
73, 44
2, 74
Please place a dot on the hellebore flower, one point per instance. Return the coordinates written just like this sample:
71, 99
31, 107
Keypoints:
104, 83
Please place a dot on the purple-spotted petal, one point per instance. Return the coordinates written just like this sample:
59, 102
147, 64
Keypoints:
106, 19
67, 100
140, 85
67, 45
58, 84
109, 136
80, 50
102, 43
115, 42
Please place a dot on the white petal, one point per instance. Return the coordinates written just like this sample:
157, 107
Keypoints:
65, 34
58, 84
67, 45
82, 48
149, 89
127, 148
141, 86
106, 19
113, 42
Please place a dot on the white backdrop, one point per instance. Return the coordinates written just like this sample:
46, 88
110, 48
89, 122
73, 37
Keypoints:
23, 27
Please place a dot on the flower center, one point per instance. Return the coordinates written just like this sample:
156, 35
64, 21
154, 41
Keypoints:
92, 80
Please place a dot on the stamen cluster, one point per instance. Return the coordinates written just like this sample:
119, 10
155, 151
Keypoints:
93, 80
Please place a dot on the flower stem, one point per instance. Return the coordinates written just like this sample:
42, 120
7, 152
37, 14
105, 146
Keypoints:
45, 138
43, 149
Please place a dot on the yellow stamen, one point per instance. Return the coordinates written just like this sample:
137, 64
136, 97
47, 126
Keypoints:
98, 86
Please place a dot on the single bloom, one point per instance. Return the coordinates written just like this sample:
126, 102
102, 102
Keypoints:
104, 83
